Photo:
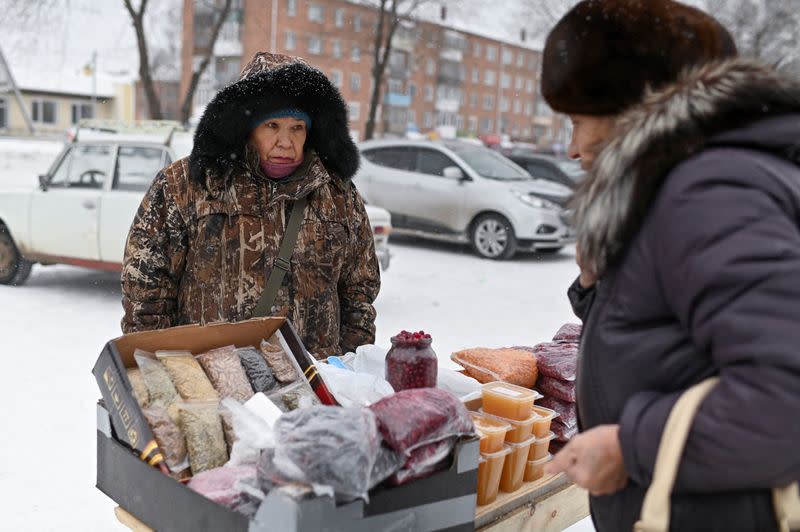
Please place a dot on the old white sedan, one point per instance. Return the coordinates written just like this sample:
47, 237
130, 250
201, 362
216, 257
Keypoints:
83, 208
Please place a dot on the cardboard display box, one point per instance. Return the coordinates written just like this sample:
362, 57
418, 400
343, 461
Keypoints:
444, 501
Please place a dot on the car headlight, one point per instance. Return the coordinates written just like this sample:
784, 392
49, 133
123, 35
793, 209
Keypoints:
535, 201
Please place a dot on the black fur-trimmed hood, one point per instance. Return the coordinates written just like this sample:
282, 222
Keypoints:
668, 127
268, 83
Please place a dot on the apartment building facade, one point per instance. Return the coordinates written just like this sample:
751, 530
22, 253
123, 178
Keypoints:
437, 78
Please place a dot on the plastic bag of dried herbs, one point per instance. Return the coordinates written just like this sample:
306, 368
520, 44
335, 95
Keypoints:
160, 389
138, 387
296, 395
255, 366
279, 360
188, 376
169, 437
205, 441
225, 371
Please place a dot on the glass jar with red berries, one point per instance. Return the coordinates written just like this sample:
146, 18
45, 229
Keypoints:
411, 363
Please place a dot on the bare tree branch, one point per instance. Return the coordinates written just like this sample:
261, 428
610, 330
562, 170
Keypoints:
137, 18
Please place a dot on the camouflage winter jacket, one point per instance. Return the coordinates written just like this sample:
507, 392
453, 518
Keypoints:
208, 231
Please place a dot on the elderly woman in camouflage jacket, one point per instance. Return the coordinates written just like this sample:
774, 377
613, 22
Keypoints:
207, 234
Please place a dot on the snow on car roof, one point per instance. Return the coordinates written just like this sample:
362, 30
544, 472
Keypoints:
156, 131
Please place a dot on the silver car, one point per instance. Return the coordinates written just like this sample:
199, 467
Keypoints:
462, 192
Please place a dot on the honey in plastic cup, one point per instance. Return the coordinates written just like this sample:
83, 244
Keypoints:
514, 467
541, 428
540, 447
520, 430
490, 469
534, 469
491, 430
508, 400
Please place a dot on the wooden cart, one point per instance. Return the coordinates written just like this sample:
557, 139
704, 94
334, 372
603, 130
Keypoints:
547, 505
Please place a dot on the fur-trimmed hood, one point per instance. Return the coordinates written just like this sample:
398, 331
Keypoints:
271, 82
711, 104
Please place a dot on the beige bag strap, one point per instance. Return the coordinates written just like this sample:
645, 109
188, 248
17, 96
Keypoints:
656, 506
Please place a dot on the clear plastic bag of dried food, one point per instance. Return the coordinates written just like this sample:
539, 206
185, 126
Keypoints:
328, 446
258, 372
253, 433
488, 365
293, 396
569, 333
188, 376
556, 360
414, 418
201, 424
563, 390
160, 389
169, 437
138, 387
226, 373
280, 362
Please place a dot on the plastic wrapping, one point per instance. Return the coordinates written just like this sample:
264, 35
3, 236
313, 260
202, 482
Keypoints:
569, 333
138, 387
189, 378
414, 418
563, 433
253, 434
567, 413
425, 461
387, 463
227, 486
563, 390
488, 365
225, 371
294, 396
279, 360
205, 441
255, 366
169, 437
351, 388
160, 390
559, 361
328, 446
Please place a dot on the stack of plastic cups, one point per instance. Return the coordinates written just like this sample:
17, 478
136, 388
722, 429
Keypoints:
493, 455
513, 405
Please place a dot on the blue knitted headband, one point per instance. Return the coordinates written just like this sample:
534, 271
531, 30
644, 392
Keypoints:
283, 113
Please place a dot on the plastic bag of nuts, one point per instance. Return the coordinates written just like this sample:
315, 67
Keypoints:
189, 378
225, 371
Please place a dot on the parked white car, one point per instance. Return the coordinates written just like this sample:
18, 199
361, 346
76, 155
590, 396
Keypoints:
460, 192
83, 208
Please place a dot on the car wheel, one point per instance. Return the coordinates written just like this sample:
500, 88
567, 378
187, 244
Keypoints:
492, 237
14, 270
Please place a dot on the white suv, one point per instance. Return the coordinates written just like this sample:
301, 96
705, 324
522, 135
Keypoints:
462, 192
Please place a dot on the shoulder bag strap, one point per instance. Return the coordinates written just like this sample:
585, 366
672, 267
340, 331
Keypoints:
283, 261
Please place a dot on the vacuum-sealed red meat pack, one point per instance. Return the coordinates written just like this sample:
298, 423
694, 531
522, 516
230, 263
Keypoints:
567, 414
559, 361
551, 387
569, 333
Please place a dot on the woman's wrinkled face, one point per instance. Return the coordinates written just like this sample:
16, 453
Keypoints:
589, 133
280, 140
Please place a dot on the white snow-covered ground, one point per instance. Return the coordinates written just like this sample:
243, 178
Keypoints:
52, 329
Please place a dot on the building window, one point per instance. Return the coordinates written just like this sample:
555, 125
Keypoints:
517, 106
505, 81
291, 40
473, 100
3, 113
520, 60
338, 17
427, 119
316, 13
476, 49
532, 62
526, 132
508, 56
489, 78
505, 105
336, 78
355, 54
491, 52
520, 83
488, 102
428, 93
79, 111
528, 109
337, 48
460, 123
476, 75
354, 111
291, 8
355, 82
395, 86
356, 23
412, 90
473, 124
486, 125
430, 67
314, 45
44, 111
529, 86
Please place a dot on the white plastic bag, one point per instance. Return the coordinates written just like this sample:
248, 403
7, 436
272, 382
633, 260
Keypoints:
351, 388
253, 433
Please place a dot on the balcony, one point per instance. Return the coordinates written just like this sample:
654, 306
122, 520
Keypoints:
452, 54
447, 105
396, 99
